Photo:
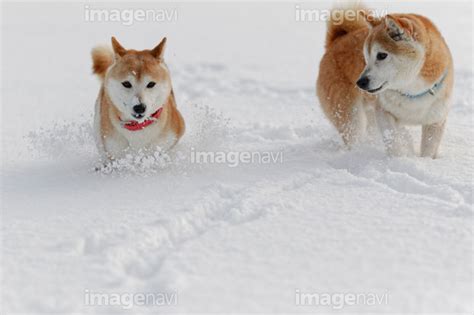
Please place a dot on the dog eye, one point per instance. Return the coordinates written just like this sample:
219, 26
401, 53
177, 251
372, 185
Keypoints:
150, 84
127, 84
381, 56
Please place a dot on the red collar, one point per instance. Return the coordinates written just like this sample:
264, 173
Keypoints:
134, 126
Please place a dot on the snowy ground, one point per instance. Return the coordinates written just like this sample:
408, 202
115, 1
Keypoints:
225, 239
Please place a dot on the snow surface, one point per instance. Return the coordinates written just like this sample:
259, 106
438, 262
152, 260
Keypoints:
226, 239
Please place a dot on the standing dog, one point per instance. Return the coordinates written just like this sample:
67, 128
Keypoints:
136, 108
399, 66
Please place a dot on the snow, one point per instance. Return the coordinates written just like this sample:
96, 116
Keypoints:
226, 239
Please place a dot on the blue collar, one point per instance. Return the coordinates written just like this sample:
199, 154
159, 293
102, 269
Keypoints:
431, 90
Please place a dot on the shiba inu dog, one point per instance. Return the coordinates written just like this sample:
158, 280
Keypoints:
395, 70
136, 108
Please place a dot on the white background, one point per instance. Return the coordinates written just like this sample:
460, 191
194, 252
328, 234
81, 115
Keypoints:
227, 239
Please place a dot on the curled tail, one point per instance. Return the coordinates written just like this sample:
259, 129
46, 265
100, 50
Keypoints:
345, 20
102, 59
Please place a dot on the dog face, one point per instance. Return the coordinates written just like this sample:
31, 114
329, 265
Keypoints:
138, 83
392, 55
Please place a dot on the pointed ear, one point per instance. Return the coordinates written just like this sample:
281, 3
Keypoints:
371, 20
159, 50
398, 29
407, 26
118, 49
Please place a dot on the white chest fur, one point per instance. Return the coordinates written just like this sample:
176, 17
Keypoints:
151, 136
423, 110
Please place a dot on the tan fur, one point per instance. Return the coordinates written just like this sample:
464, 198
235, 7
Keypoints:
107, 110
145, 62
343, 63
102, 59
339, 69
174, 120
338, 27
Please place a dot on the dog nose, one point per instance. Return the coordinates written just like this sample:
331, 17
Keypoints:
363, 82
139, 109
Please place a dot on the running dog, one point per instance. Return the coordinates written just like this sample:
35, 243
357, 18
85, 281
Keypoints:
136, 108
395, 70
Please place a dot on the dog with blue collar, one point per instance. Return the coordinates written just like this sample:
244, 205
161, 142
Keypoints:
392, 71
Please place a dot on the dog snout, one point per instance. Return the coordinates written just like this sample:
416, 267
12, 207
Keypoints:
140, 108
363, 82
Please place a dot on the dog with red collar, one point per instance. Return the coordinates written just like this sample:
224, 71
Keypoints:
136, 108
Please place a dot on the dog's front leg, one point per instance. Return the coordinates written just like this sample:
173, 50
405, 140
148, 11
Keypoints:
397, 139
431, 138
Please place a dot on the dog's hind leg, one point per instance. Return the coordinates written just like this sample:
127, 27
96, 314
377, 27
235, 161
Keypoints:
431, 138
